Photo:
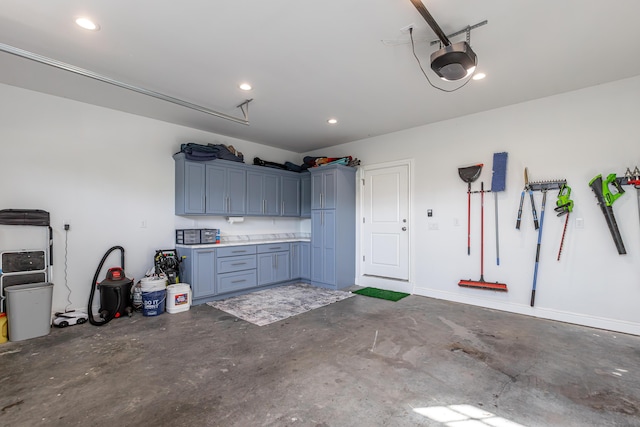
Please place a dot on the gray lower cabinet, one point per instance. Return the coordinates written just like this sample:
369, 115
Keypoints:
224, 271
198, 268
236, 268
301, 260
273, 263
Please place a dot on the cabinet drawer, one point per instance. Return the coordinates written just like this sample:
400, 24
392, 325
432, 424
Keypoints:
273, 247
236, 263
229, 282
235, 250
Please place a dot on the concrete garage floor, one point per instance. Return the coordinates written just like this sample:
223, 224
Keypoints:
358, 362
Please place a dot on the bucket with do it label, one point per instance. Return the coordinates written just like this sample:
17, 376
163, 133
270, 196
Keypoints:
154, 292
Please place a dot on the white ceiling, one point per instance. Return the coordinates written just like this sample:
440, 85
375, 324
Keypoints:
312, 60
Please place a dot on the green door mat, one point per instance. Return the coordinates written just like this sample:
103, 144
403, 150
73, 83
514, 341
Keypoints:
381, 293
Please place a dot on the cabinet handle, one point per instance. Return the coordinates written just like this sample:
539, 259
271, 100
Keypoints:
321, 201
238, 263
228, 200
282, 211
238, 252
239, 281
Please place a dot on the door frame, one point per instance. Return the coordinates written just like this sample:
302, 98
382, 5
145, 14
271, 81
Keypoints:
385, 283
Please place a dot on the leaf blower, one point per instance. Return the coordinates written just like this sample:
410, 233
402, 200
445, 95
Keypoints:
115, 292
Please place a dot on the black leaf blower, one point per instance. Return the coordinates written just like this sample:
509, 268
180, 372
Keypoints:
115, 292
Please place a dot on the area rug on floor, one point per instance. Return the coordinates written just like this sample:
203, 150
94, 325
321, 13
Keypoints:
381, 293
274, 304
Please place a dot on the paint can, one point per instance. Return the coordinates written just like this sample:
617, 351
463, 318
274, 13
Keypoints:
154, 290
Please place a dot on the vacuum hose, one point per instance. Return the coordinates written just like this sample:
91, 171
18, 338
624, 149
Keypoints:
110, 316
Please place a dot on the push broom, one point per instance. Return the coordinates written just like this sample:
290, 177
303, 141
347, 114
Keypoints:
498, 184
482, 284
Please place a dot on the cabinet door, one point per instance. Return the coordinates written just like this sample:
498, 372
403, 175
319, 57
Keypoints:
255, 194
324, 189
266, 269
305, 195
323, 260
236, 191
295, 261
216, 183
226, 189
305, 261
290, 196
203, 273
194, 188
283, 267
271, 194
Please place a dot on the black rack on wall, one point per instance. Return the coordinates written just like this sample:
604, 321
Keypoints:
20, 266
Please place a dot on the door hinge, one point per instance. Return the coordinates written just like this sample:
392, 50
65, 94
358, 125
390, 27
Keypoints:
363, 220
362, 258
362, 181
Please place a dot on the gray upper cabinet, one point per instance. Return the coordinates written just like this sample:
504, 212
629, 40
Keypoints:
190, 188
290, 205
209, 188
222, 187
263, 193
305, 194
324, 187
225, 190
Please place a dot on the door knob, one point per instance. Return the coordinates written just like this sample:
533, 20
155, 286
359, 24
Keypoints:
404, 228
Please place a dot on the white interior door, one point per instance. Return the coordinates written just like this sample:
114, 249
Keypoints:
385, 228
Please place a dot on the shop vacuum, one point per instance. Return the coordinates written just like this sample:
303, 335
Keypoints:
115, 292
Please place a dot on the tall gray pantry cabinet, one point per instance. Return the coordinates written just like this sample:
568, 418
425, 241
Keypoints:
333, 213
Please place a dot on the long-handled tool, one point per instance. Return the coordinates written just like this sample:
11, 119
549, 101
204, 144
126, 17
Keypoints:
535, 270
564, 206
482, 284
527, 188
606, 198
469, 174
498, 184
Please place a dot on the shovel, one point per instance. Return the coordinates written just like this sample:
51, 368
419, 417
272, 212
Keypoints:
469, 174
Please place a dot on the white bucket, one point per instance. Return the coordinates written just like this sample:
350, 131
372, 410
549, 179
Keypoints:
178, 298
153, 283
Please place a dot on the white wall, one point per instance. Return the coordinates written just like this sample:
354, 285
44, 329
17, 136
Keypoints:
105, 173
574, 136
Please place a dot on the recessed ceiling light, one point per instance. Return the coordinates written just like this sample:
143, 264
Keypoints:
87, 24
245, 86
479, 76
332, 121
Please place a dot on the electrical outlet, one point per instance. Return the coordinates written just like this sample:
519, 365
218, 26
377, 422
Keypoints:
433, 226
579, 223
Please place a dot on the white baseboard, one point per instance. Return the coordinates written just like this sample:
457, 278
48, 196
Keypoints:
543, 313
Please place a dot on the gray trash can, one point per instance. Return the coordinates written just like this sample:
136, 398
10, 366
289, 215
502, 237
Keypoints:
29, 310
